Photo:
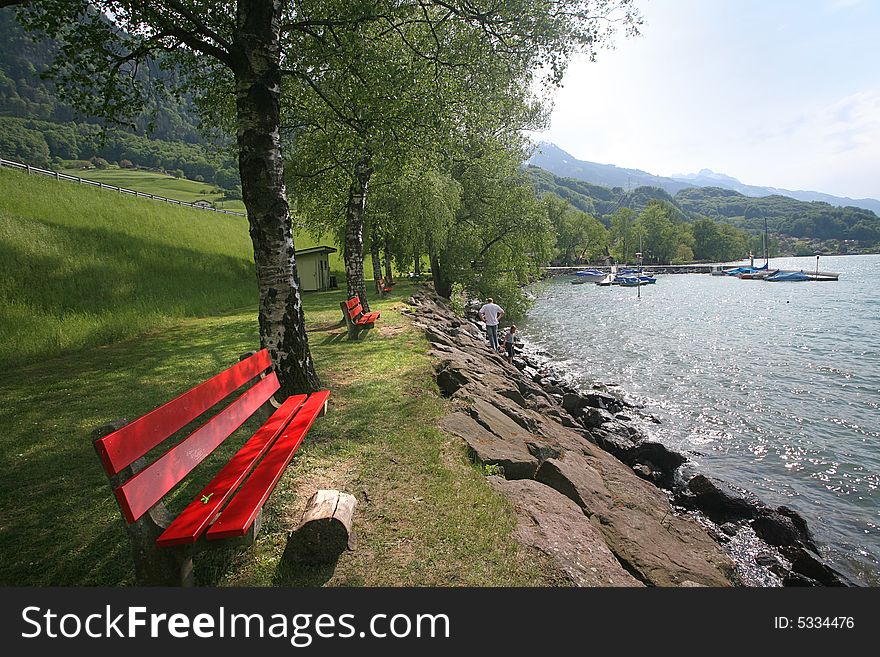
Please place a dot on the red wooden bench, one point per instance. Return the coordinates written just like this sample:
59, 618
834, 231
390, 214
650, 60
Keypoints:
228, 509
355, 317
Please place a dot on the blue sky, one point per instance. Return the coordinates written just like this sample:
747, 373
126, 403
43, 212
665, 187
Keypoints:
783, 93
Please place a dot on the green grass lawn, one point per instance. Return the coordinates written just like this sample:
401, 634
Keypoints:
425, 514
80, 266
160, 184
112, 305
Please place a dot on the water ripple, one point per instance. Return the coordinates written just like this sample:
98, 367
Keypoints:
773, 387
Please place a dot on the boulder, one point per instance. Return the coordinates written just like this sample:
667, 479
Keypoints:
573, 403
720, 501
638, 523
780, 529
612, 442
552, 524
808, 564
451, 380
598, 399
594, 417
498, 422
486, 448
729, 528
662, 461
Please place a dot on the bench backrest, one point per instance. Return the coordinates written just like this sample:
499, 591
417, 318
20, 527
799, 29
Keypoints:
123, 447
355, 309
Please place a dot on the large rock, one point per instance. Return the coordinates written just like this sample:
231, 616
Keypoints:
507, 427
721, 501
597, 399
552, 524
512, 456
593, 418
638, 523
806, 563
779, 530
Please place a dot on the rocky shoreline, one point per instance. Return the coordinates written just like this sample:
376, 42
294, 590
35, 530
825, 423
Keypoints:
605, 504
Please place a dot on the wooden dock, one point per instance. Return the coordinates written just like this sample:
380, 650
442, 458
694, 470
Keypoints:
657, 269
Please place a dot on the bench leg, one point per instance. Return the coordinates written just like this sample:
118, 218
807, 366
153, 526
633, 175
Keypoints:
153, 566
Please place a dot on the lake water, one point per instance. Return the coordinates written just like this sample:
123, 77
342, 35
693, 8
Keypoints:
774, 387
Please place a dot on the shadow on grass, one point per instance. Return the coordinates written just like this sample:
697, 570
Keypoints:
59, 523
88, 286
290, 573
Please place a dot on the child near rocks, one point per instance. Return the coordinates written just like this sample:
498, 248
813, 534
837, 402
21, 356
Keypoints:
510, 342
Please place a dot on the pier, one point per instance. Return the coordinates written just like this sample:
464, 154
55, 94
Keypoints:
657, 269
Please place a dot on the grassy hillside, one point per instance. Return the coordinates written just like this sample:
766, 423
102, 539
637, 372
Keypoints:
160, 184
190, 191
81, 266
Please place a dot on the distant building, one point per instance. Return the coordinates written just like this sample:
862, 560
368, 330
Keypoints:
313, 267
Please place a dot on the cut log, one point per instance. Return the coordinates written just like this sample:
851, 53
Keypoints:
325, 530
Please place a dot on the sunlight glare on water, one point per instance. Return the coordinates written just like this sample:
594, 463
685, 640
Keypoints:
774, 387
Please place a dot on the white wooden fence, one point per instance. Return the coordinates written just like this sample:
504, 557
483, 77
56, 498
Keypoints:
121, 190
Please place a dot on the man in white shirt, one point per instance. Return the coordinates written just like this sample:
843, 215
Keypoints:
491, 313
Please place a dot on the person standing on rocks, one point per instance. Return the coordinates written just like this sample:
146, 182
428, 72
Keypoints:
491, 313
510, 342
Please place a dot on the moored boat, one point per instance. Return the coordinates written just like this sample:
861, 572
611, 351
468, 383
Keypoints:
590, 275
787, 276
798, 276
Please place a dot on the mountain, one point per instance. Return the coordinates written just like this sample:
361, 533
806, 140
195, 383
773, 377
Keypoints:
552, 158
598, 200
24, 94
709, 178
786, 216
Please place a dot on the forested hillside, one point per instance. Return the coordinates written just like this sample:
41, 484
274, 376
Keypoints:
25, 94
796, 227
38, 128
786, 216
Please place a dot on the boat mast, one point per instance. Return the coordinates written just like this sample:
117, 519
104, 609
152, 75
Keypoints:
766, 246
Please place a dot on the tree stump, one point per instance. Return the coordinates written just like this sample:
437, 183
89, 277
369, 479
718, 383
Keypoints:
324, 532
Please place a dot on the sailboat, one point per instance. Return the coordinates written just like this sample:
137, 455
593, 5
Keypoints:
758, 273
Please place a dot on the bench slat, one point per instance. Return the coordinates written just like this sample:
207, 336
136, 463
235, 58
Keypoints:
239, 515
196, 517
354, 301
354, 312
137, 495
132, 441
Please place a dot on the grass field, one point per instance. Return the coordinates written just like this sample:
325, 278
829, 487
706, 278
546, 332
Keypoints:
80, 266
148, 182
190, 191
425, 517
112, 305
